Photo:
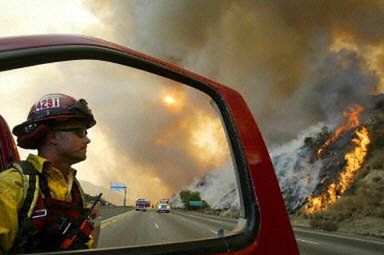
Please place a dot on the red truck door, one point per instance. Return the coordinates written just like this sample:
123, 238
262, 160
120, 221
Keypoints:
8, 150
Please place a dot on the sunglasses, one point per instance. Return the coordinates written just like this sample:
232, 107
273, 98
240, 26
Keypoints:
80, 132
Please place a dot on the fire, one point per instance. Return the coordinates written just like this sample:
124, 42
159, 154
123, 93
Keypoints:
352, 122
354, 160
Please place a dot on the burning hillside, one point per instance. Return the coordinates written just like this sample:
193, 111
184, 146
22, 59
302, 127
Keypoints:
328, 170
356, 141
324, 163
326, 167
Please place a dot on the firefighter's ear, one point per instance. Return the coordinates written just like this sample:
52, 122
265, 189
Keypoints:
51, 138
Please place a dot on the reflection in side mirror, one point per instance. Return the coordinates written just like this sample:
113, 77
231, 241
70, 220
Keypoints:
159, 152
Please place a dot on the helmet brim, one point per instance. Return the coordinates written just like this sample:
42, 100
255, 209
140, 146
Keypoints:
30, 125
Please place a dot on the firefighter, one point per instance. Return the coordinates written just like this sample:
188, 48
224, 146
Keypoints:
41, 201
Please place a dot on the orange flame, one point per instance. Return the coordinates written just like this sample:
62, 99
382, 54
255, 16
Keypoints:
353, 121
354, 160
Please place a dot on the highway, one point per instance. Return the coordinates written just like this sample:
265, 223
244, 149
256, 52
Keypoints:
150, 227
317, 242
132, 228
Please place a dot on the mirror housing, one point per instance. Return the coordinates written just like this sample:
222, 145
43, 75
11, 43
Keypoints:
266, 228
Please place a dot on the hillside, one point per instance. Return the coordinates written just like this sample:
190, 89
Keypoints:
218, 188
358, 204
91, 189
331, 176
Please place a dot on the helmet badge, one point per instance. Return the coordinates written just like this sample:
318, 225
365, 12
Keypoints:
48, 102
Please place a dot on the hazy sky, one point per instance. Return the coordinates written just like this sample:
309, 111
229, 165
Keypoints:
295, 62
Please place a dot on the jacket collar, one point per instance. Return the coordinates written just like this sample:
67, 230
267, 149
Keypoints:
40, 163
37, 162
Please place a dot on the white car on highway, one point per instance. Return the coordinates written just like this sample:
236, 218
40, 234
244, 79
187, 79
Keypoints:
163, 206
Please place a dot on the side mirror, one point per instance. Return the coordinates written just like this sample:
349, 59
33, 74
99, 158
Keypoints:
259, 224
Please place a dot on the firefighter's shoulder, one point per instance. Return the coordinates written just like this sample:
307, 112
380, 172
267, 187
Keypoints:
11, 184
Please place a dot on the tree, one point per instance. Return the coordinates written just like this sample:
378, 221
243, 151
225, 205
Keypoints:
187, 195
195, 196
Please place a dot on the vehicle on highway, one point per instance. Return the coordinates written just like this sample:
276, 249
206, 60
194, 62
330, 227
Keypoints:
263, 224
142, 204
163, 206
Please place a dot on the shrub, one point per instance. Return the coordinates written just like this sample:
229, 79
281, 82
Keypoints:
319, 221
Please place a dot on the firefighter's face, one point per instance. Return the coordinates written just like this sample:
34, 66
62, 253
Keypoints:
72, 141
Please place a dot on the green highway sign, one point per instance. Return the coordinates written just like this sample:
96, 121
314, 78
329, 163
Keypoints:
195, 203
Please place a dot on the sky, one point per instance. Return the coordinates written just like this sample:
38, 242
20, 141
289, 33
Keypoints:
296, 63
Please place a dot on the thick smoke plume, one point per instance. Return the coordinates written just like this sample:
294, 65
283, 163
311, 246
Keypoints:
152, 146
276, 53
297, 63
297, 175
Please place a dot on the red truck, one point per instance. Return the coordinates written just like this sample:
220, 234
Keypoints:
265, 227
142, 204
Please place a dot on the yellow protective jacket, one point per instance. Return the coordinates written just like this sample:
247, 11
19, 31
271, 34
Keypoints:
12, 195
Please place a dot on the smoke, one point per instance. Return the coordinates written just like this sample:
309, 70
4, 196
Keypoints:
297, 175
153, 147
296, 63
218, 188
337, 83
276, 53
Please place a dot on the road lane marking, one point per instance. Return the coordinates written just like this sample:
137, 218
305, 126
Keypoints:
220, 219
109, 221
198, 223
334, 235
305, 241
156, 225
202, 218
